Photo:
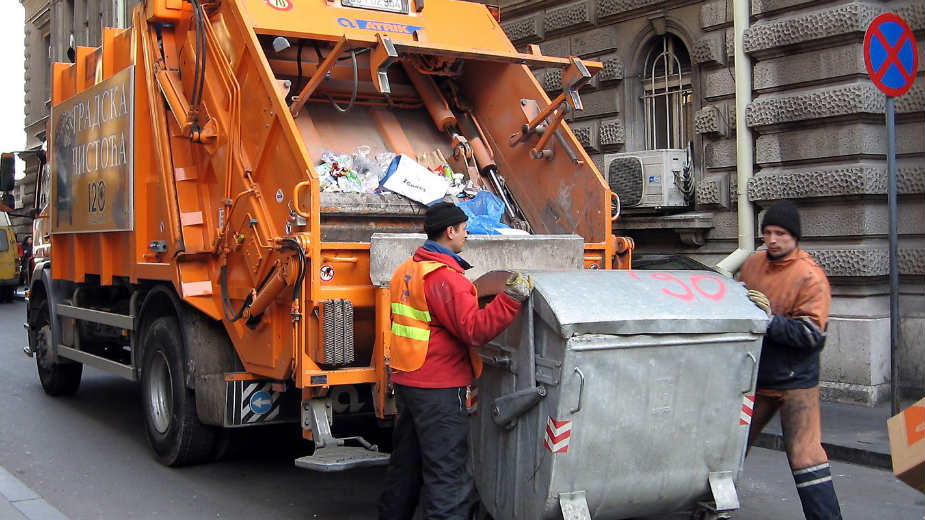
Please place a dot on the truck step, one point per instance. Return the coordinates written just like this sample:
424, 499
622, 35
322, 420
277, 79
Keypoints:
340, 458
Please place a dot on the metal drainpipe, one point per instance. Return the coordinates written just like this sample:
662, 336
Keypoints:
745, 154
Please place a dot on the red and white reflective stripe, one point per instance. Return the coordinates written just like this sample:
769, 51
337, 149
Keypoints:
557, 435
748, 404
472, 400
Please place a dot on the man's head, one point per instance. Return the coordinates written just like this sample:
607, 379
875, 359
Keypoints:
780, 229
445, 224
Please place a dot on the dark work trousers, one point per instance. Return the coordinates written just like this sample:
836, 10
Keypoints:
430, 451
802, 429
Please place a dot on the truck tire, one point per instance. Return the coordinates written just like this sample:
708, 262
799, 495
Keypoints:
173, 428
57, 378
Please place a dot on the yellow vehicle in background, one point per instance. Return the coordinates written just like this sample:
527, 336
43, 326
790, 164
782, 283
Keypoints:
9, 274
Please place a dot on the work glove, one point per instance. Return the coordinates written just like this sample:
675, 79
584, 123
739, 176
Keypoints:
519, 286
759, 299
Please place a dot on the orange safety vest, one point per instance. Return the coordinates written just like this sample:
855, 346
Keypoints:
411, 317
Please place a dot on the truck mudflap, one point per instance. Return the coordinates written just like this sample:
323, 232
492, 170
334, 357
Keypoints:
617, 394
258, 402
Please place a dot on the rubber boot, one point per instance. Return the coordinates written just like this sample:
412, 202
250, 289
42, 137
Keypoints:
817, 493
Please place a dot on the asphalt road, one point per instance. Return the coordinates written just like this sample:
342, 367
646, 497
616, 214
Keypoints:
87, 455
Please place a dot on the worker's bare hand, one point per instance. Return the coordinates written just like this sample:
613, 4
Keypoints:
519, 286
759, 299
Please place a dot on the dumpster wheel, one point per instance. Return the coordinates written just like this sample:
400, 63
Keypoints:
706, 511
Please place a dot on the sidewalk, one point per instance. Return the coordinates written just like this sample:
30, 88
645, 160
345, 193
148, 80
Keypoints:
850, 433
18, 502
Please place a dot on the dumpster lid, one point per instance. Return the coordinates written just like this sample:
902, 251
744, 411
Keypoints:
644, 302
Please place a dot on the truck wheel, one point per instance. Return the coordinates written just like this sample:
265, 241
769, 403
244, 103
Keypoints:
177, 436
57, 378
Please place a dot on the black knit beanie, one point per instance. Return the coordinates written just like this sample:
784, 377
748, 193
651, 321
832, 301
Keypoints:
785, 215
441, 215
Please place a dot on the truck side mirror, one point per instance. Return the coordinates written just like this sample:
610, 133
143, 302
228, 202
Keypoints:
7, 172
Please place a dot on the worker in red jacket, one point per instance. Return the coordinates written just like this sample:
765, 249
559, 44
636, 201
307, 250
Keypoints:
786, 282
436, 327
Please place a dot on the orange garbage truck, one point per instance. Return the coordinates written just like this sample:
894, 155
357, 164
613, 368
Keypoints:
198, 235
229, 185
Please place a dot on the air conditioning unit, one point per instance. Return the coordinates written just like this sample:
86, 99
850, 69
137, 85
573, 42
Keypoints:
650, 179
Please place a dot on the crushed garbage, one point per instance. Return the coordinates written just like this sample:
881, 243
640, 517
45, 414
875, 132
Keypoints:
426, 178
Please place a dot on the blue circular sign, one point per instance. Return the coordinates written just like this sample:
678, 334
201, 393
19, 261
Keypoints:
890, 54
261, 402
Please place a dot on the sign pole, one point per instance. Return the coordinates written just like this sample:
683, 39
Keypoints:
891, 58
894, 262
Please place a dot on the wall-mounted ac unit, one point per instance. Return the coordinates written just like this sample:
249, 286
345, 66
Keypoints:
650, 179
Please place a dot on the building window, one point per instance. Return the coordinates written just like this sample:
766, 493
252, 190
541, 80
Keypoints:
667, 94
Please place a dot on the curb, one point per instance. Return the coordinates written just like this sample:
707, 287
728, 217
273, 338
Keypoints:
775, 441
29, 503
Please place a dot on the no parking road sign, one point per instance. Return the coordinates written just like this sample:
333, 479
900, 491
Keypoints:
892, 61
890, 54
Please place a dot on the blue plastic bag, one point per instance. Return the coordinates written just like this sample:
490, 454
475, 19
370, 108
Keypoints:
484, 211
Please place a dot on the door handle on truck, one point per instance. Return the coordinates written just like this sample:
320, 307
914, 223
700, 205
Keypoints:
296, 206
616, 213
581, 389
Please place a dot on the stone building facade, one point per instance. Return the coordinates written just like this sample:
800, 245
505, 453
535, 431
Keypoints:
52, 29
818, 138
816, 118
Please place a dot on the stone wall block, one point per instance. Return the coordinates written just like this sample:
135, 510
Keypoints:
835, 141
713, 14
912, 371
912, 101
598, 160
718, 83
855, 98
711, 120
528, 29
550, 79
713, 190
587, 134
612, 132
824, 23
569, 16
730, 44
769, 6
710, 49
613, 68
911, 261
602, 102
868, 262
593, 42
804, 183
857, 354
814, 66
613, 7
560, 47
720, 154
914, 14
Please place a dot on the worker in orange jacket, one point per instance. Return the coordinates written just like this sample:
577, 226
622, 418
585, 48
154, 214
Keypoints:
436, 326
787, 283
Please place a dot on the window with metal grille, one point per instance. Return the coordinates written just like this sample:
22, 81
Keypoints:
667, 94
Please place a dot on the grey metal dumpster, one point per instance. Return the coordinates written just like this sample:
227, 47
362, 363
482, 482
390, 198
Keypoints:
617, 394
